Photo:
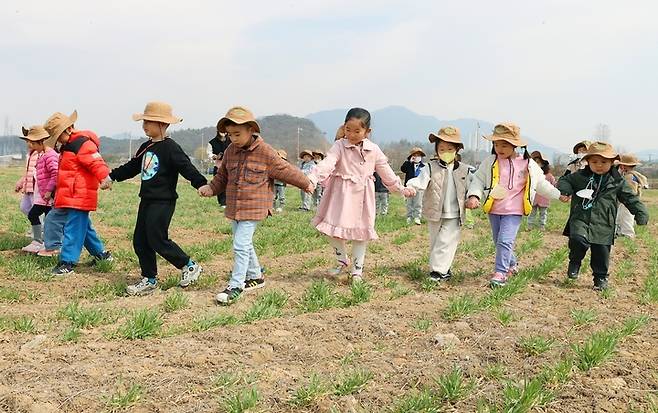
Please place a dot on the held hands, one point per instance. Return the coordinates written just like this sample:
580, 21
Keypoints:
408, 192
565, 198
47, 196
106, 183
310, 188
205, 191
473, 202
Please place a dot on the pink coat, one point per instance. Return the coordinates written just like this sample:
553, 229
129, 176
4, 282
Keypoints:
347, 208
26, 182
542, 201
46, 173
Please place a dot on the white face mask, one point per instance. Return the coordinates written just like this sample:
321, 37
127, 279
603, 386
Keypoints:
415, 159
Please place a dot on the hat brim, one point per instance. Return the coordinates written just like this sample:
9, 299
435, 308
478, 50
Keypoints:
415, 152
610, 156
434, 138
170, 120
629, 163
221, 125
302, 153
66, 124
514, 142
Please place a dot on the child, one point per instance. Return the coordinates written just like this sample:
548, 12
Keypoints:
306, 165
159, 161
578, 163
81, 169
595, 193
347, 209
443, 185
411, 168
318, 156
507, 183
280, 187
46, 178
541, 204
637, 181
25, 184
381, 195
250, 165
216, 148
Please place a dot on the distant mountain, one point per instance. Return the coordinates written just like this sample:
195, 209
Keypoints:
648, 155
395, 123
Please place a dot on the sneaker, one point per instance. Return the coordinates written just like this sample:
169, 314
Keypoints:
103, 256
254, 284
144, 287
542, 228
438, 277
409, 220
600, 284
498, 280
513, 270
47, 253
228, 296
342, 265
573, 270
356, 278
33, 247
190, 274
63, 268
417, 221
279, 210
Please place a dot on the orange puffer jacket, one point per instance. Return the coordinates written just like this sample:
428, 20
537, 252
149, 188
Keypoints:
81, 168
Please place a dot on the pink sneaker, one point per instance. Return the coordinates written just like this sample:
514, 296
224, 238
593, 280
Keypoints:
47, 253
513, 270
498, 280
342, 265
33, 247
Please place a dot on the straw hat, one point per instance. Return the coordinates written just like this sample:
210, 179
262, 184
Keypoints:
603, 149
158, 112
508, 132
318, 152
58, 122
238, 115
305, 152
582, 144
34, 133
283, 154
416, 150
448, 134
629, 159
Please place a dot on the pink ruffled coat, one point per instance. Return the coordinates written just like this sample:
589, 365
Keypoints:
347, 208
25, 184
46, 174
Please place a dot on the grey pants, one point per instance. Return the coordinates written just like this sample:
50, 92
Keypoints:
306, 200
279, 196
381, 199
543, 216
415, 205
317, 195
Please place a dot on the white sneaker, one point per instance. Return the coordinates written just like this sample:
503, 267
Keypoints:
335, 271
408, 221
190, 274
357, 278
33, 247
143, 287
417, 221
279, 210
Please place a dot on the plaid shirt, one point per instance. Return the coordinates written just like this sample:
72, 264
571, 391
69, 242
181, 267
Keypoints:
247, 175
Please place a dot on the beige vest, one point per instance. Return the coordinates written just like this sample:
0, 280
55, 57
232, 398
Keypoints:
433, 196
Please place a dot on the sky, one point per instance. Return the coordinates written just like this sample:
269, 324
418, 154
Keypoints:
557, 68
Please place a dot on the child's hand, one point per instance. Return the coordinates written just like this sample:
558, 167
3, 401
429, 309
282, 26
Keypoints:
408, 192
106, 183
565, 198
310, 188
47, 195
473, 202
18, 188
205, 191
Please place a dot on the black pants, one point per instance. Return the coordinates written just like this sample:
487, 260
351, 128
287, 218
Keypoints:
600, 260
152, 236
35, 212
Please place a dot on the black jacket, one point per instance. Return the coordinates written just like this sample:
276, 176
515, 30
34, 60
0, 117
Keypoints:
218, 146
408, 169
379, 185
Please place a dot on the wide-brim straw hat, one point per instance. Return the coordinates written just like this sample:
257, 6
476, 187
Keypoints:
582, 144
305, 152
283, 154
449, 134
158, 112
240, 116
628, 159
34, 133
416, 150
508, 132
602, 149
318, 152
58, 122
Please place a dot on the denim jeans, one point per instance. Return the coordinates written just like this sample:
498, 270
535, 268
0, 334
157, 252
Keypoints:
53, 228
245, 261
504, 229
78, 231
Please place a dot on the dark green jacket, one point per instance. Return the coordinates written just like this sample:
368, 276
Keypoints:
597, 224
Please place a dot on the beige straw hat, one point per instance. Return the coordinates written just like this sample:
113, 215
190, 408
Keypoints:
58, 122
158, 112
240, 116
508, 132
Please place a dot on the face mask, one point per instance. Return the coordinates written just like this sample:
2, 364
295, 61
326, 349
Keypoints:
415, 159
447, 157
